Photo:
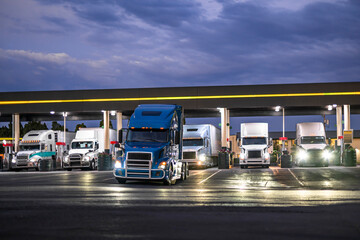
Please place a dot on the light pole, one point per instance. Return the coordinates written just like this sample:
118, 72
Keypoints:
65, 115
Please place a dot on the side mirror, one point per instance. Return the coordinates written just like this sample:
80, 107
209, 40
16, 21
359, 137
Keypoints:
120, 136
177, 137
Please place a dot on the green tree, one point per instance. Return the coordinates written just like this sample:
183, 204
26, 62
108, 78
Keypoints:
78, 126
55, 126
102, 124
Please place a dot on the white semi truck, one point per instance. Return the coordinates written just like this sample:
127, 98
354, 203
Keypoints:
254, 145
85, 148
37, 145
311, 149
201, 144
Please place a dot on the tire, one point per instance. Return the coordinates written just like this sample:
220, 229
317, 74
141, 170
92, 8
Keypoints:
121, 180
170, 181
92, 165
183, 172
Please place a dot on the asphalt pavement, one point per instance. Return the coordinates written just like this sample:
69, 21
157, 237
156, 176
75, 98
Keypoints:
253, 203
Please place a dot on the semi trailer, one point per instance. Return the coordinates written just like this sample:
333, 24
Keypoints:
153, 146
311, 146
85, 148
254, 145
37, 145
201, 145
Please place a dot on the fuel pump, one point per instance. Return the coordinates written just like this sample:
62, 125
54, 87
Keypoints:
8, 155
60, 154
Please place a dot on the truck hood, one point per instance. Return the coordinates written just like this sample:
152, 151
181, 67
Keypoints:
22, 153
192, 148
313, 146
81, 151
254, 147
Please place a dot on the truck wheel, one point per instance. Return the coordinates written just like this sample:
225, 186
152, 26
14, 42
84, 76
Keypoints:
170, 180
183, 172
121, 180
92, 165
187, 172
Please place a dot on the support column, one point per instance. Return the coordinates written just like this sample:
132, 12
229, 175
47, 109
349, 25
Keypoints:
346, 117
339, 131
65, 115
228, 128
118, 123
106, 132
223, 127
17, 130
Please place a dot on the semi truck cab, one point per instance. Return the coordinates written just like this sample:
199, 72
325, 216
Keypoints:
153, 145
312, 149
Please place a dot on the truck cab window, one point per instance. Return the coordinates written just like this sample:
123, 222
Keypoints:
193, 142
254, 141
49, 136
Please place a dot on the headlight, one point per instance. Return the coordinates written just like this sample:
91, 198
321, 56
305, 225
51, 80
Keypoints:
303, 155
326, 154
242, 156
33, 160
13, 161
162, 165
66, 159
117, 164
266, 156
86, 159
202, 157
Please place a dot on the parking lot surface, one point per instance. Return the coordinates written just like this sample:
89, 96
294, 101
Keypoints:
254, 203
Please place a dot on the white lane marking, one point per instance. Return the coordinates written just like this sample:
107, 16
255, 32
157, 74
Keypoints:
209, 177
296, 178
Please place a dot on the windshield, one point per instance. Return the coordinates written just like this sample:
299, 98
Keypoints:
313, 140
147, 135
82, 145
253, 141
193, 142
29, 147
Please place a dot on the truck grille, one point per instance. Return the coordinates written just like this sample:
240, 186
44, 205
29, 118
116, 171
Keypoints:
75, 157
22, 160
189, 155
254, 154
138, 165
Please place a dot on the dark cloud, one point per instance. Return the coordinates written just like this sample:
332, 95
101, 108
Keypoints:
163, 12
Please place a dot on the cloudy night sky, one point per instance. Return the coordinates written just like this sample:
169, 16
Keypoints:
103, 44
59, 44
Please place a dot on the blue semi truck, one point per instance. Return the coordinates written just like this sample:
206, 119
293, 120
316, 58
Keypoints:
153, 145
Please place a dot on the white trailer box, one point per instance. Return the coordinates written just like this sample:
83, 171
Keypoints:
254, 145
312, 149
201, 144
85, 148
